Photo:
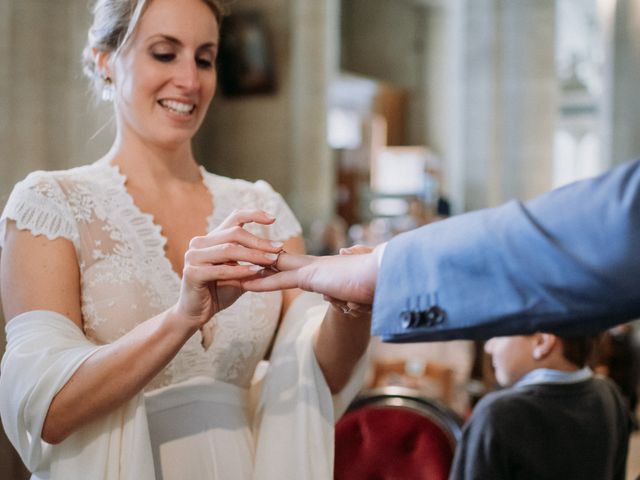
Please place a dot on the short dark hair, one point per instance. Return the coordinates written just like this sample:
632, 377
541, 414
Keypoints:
578, 349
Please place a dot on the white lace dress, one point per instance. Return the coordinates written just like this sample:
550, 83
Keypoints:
197, 406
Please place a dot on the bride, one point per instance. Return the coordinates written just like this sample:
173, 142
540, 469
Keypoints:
131, 346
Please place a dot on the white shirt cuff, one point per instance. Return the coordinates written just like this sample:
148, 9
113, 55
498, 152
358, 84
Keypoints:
379, 251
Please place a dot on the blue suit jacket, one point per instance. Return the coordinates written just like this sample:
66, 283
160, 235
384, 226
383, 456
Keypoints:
566, 262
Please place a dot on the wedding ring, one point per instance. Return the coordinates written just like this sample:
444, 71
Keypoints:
274, 265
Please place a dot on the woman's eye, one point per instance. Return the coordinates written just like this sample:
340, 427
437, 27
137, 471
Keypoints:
164, 57
204, 63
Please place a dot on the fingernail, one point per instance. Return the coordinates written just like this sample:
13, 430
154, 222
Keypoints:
277, 244
271, 256
269, 215
256, 268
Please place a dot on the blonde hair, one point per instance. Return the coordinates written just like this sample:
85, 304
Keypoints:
114, 23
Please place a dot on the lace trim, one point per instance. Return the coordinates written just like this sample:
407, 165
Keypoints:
225, 194
87, 202
148, 236
38, 204
230, 194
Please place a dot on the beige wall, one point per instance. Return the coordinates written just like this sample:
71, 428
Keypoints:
280, 137
248, 137
47, 116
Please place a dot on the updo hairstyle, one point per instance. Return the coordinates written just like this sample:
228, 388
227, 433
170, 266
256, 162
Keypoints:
114, 22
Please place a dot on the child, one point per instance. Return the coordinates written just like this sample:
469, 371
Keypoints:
556, 421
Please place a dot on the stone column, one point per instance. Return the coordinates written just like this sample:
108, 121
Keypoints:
621, 103
529, 97
313, 63
505, 104
479, 100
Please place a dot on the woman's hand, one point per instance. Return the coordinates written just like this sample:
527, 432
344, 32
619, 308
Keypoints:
212, 273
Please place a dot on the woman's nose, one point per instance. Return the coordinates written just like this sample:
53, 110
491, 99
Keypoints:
187, 76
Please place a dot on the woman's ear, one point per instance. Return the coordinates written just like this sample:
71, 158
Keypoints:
102, 63
543, 344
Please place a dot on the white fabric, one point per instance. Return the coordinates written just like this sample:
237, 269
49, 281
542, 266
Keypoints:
125, 279
296, 413
200, 429
125, 274
197, 429
43, 350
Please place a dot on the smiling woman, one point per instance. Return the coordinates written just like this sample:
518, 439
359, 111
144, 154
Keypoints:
162, 72
131, 257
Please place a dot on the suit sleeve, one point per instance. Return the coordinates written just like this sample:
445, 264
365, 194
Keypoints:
566, 262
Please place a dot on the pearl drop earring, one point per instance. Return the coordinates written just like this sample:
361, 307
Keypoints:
108, 91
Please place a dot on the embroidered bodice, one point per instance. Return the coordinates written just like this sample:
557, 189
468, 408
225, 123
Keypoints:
126, 277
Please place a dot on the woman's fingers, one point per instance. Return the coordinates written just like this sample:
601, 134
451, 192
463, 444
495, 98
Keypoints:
231, 243
214, 264
203, 274
237, 235
238, 218
229, 253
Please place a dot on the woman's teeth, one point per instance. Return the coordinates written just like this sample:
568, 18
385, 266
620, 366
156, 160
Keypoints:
178, 107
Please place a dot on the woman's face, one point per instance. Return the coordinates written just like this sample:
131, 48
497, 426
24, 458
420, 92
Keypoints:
512, 357
165, 78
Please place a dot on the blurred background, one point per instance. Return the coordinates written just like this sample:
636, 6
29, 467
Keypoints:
371, 117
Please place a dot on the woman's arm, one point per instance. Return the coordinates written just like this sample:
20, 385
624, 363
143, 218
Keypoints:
42, 274
341, 339
340, 343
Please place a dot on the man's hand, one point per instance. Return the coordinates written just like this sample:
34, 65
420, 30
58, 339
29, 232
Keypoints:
349, 278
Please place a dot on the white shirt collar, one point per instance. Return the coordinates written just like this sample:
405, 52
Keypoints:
547, 375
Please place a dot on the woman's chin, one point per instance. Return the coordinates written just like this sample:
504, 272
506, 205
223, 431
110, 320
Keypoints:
173, 139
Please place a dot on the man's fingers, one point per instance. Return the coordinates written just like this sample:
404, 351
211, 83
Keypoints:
293, 261
356, 250
270, 281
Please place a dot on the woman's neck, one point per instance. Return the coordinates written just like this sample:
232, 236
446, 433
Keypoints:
145, 164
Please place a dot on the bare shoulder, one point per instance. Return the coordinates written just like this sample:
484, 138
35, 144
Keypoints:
37, 273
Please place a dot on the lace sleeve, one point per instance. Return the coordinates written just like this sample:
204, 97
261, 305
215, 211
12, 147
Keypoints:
286, 224
39, 205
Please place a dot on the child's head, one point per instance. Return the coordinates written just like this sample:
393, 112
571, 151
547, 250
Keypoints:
515, 356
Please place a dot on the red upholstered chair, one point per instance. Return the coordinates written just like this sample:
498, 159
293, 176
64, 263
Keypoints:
393, 433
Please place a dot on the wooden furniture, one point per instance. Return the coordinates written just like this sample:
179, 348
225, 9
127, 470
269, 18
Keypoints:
433, 379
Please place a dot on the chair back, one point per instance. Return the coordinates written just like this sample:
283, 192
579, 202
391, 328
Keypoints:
396, 433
